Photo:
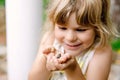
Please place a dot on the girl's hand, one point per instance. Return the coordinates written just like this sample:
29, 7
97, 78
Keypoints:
57, 60
51, 59
65, 61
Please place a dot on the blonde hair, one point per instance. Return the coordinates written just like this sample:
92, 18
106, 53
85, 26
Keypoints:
93, 13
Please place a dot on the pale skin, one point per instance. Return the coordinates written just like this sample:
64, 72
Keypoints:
75, 39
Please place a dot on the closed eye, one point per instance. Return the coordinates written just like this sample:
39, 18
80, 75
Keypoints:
81, 30
62, 28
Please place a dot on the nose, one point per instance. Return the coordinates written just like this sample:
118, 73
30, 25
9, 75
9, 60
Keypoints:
71, 36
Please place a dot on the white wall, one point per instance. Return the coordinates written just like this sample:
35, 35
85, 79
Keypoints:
23, 21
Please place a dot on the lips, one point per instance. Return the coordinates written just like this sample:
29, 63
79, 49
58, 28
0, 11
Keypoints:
73, 46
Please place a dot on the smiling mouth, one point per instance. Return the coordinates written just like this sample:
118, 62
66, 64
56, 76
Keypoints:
73, 47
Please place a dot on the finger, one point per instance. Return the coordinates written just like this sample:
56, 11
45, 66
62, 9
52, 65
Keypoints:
51, 67
64, 58
49, 50
50, 56
68, 56
50, 63
55, 62
66, 65
52, 50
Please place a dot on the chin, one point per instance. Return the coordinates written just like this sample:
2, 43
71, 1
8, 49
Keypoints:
73, 53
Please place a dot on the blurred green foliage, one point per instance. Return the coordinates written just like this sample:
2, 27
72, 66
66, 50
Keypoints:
116, 44
45, 2
2, 2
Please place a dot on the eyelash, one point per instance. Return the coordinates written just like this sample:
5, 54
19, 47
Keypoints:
79, 30
62, 28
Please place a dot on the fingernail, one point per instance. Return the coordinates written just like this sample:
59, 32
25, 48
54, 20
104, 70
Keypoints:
52, 49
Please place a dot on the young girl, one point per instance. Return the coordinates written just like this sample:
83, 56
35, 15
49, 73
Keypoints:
76, 44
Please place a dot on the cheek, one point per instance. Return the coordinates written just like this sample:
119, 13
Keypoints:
58, 34
88, 38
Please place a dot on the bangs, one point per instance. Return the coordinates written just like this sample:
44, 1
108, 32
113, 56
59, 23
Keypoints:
61, 17
87, 12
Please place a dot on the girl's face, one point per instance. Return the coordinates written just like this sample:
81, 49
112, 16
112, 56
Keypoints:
74, 38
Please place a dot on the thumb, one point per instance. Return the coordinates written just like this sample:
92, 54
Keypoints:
49, 50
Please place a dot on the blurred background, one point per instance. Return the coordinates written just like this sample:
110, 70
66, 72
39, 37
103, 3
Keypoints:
3, 61
115, 15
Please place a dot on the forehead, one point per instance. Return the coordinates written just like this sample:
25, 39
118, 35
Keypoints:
72, 22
